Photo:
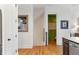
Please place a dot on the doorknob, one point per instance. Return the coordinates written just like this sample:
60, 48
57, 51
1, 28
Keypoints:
9, 39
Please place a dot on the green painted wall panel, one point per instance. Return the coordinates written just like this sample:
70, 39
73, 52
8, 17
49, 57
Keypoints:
52, 35
52, 18
52, 32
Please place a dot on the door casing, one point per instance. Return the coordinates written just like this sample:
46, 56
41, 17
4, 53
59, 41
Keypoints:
46, 27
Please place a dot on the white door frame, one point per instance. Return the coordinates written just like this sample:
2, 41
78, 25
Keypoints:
9, 29
46, 27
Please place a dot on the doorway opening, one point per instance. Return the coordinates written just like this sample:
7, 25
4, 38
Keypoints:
52, 29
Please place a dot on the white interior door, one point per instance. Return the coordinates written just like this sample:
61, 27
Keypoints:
10, 30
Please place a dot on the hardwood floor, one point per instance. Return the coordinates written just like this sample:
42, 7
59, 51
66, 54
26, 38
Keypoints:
51, 49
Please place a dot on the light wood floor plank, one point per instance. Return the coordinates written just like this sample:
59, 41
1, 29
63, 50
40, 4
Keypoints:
51, 49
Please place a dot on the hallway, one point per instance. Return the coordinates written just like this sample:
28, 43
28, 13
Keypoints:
51, 49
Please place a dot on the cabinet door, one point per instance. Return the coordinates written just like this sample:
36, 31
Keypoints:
10, 30
66, 49
73, 48
65, 46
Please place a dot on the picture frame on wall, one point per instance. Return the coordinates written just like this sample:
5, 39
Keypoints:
22, 23
64, 24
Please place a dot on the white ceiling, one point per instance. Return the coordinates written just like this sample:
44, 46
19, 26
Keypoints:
39, 5
50, 5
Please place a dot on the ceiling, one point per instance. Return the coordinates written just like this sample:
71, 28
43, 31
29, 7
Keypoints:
76, 6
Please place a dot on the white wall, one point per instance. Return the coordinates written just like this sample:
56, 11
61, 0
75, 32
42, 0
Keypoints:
63, 12
75, 14
38, 26
25, 39
74, 21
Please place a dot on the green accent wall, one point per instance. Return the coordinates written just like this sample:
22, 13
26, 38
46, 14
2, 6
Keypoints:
52, 32
52, 18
